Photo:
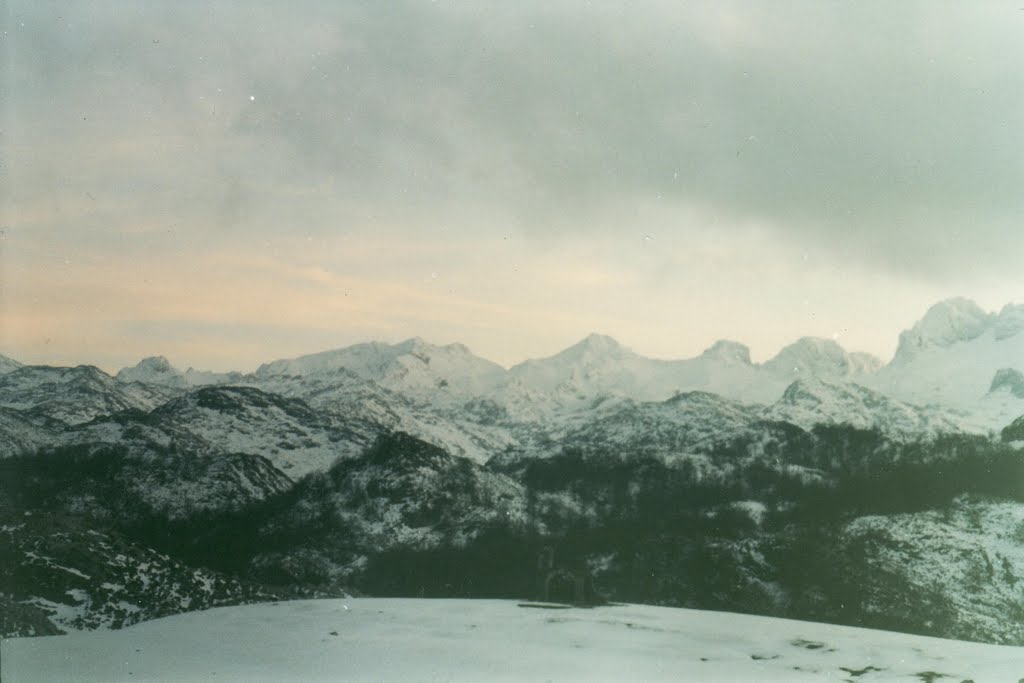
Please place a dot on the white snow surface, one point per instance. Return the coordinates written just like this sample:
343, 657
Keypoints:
408, 639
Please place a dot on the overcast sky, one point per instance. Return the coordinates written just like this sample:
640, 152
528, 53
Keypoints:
226, 183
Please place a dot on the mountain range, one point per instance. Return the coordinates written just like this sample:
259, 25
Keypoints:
957, 369
339, 471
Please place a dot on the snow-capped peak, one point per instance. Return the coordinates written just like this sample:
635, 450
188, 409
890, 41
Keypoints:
358, 358
814, 356
727, 351
157, 370
943, 325
412, 365
417, 346
594, 366
593, 350
155, 363
959, 355
594, 345
152, 370
368, 360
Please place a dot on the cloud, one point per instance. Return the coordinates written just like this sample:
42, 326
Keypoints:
869, 137
867, 128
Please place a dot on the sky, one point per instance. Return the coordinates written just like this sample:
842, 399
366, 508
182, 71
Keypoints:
225, 183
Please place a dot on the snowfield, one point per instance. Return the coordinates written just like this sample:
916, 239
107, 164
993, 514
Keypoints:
408, 639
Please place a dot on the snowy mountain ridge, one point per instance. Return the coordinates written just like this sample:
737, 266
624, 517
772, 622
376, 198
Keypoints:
954, 335
816, 357
157, 370
728, 351
943, 325
952, 357
956, 371
412, 366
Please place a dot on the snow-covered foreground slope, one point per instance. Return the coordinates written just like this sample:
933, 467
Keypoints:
374, 639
